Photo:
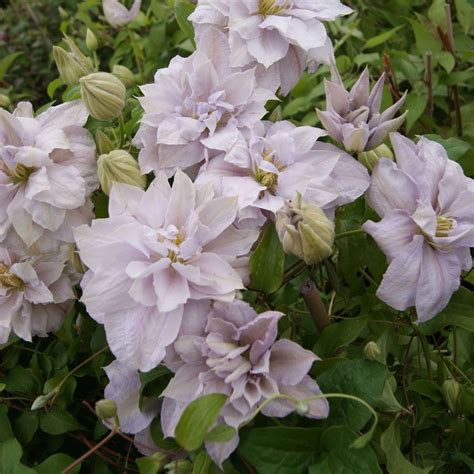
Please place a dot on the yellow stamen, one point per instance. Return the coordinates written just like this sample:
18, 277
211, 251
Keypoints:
443, 226
7, 280
270, 7
20, 174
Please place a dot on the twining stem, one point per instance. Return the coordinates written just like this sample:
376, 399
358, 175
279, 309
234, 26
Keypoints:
349, 233
90, 452
315, 305
58, 388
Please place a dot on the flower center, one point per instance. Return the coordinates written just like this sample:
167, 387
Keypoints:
272, 7
7, 280
443, 226
173, 255
20, 174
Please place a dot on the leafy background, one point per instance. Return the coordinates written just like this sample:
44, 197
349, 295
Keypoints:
421, 429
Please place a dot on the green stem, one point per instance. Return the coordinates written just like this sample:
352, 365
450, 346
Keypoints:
425, 348
58, 388
349, 233
135, 52
121, 131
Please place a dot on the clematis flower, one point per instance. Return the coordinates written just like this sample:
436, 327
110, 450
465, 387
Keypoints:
159, 250
353, 118
280, 160
117, 14
35, 293
233, 350
283, 37
47, 172
427, 225
197, 108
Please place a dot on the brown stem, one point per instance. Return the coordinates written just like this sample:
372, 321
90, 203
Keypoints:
315, 304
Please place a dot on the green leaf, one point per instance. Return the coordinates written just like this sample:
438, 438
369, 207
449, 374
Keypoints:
281, 450
58, 421
196, 420
6, 62
339, 335
426, 388
382, 38
57, 463
465, 14
151, 464
267, 262
202, 464
425, 39
416, 105
389, 402
21, 380
339, 458
5, 426
25, 426
10, 456
447, 60
437, 13
362, 378
53, 86
221, 434
181, 11
396, 462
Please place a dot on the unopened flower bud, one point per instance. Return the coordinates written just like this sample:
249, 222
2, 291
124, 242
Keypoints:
103, 95
124, 74
182, 466
91, 40
372, 351
103, 142
119, 167
370, 158
5, 101
69, 69
450, 390
106, 409
305, 231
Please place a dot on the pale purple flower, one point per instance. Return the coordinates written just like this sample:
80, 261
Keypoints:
36, 292
117, 14
47, 172
197, 108
158, 250
427, 226
353, 118
279, 160
283, 37
124, 385
233, 350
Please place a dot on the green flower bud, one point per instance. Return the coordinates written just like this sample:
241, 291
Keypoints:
91, 40
103, 142
119, 167
5, 101
305, 231
106, 409
103, 95
370, 158
450, 390
182, 466
124, 74
69, 69
372, 351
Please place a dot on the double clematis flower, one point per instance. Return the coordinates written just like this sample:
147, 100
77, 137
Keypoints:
353, 118
35, 292
235, 352
279, 160
282, 37
427, 225
47, 172
197, 108
159, 250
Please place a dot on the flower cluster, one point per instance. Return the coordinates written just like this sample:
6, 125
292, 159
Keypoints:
47, 173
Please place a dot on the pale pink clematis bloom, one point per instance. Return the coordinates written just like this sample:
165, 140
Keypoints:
283, 37
234, 351
117, 14
353, 117
279, 160
158, 250
36, 292
47, 172
427, 226
197, 108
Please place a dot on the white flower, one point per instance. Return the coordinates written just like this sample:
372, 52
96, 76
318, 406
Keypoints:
118, 15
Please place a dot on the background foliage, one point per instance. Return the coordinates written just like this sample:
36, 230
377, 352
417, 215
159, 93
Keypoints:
423, 427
